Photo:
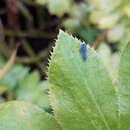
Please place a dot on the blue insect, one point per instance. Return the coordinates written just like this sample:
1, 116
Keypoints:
83, 51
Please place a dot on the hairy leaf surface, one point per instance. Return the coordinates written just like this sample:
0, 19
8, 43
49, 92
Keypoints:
124, 89
81, 93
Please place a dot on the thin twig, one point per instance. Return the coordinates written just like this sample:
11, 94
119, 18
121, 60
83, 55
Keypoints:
32, 54
8, 65
99, 39
31, 34
3, 48
30, 60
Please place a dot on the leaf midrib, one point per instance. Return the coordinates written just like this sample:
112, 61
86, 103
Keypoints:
91, 94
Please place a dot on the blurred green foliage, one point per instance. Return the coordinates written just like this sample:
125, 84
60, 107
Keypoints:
20, 84
104, 24
34, 24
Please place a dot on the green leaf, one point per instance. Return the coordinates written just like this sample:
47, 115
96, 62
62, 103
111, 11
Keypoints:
33, 90
71, 24
59, 7
11, 79
104, 20
88, 34
81, 94
116, 33
24, 116
2, 89
80, 11
105, 5
124, 89
124, 4
42, 2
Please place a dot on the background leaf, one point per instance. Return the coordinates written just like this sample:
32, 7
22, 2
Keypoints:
33, 90
12, 78
59, 7
24, 116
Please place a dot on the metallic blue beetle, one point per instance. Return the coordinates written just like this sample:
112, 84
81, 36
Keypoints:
83, 51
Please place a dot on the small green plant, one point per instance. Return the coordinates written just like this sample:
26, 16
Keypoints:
81, 94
